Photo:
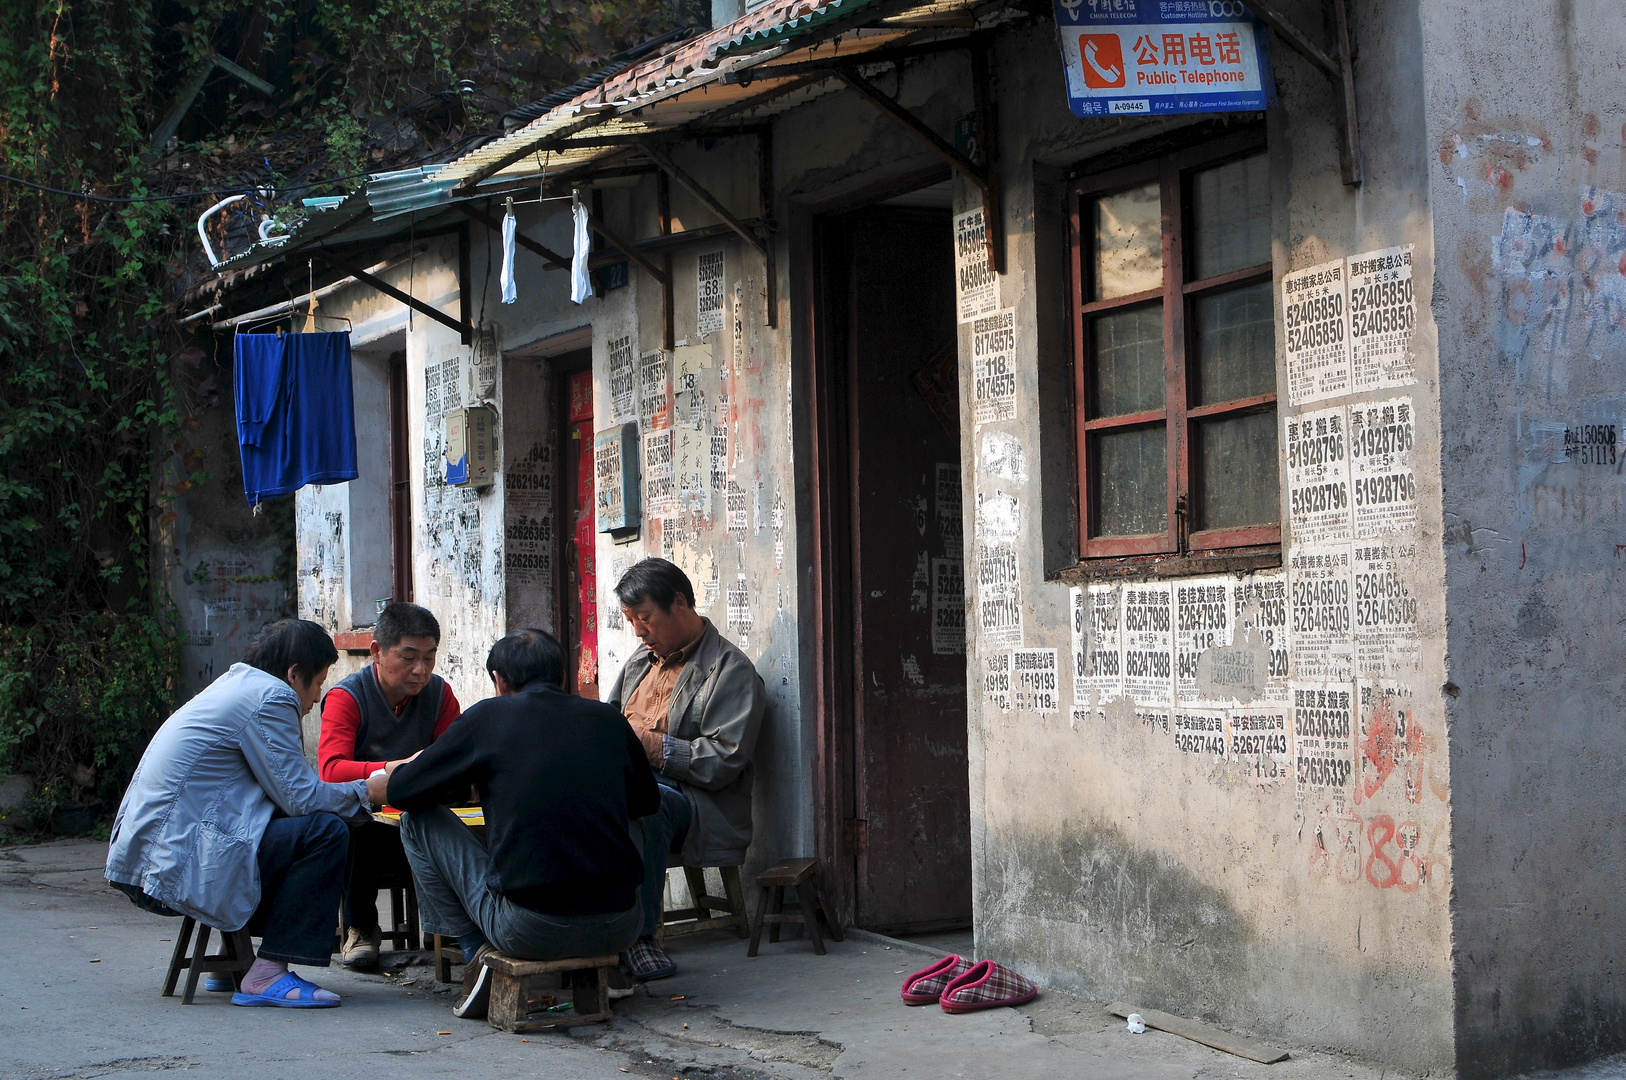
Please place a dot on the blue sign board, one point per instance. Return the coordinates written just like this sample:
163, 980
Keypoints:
1143, 57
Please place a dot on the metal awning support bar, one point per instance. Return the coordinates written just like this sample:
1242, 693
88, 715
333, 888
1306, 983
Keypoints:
1340, 70
659, 155
629, 250
412, 302
982, 176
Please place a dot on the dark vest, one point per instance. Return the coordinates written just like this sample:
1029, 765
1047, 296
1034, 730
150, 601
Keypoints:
382, 735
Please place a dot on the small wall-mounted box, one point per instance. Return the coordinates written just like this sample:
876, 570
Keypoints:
471, 446
615, 481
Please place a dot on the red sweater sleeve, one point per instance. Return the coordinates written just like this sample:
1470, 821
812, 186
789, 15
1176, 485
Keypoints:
336, 749
449, 710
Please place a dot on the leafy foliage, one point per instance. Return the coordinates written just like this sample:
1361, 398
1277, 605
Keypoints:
91, 291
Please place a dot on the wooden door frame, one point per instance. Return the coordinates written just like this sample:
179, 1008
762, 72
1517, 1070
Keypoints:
836, 710
564, 365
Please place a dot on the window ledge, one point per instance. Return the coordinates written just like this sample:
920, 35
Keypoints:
354, 642
1155, 567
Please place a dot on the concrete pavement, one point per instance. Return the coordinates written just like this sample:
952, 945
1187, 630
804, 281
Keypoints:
82, 969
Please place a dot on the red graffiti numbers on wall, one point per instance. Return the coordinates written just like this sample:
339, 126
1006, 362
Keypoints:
1406, 869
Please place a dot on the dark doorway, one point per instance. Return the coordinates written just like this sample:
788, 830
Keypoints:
400, 482
892, 605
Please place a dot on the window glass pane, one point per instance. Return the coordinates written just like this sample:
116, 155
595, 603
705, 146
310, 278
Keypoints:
1128, 242
1230, 208
1129, 475
1235, 335
1234, 459
1126, 371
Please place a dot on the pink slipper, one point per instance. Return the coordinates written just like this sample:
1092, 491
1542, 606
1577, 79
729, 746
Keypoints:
986, 985
925, 986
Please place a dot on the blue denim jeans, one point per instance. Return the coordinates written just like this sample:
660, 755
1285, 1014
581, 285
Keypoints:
664, 831
456, 896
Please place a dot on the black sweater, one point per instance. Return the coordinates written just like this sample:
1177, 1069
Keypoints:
560, 776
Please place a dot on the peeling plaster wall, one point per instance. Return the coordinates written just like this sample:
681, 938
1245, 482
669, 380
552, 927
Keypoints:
1134, 842
723, 402
1528, 170
228, 571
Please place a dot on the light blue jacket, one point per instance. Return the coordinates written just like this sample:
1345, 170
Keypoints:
189, 828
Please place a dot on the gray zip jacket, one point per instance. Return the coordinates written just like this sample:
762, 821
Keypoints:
188, 830
711, 731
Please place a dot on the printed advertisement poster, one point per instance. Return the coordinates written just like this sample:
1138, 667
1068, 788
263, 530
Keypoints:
1382, 319
1146, 57
976, 284
622, 377
996, 680
1260, 739
1097, 644
1202, 620
1323, 725
691, 471
1260, 602
1317, 333
708, 293
660, 480
1199, 731
1318, 477
1322, 641
691, 365
950, 522
993, 367
654, 391
1034, 681
948, 606
1382, 437
1148, 643
1387, 641
999, 593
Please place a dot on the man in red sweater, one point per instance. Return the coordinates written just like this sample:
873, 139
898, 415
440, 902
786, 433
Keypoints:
378, 718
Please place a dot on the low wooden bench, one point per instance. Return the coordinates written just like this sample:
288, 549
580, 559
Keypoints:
588, 978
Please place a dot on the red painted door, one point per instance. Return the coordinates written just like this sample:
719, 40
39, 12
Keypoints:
580, 599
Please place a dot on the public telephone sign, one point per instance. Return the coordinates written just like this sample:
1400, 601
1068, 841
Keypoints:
1142, 57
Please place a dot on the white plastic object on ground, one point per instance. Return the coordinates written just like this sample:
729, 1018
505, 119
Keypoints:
1137, 1026
207, 249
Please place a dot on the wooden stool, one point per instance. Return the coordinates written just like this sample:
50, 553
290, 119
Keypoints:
803, 875
402, 932
447, 952
587, 976
701, 916
236, 957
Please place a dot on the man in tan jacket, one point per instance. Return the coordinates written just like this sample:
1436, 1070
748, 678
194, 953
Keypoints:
695, 702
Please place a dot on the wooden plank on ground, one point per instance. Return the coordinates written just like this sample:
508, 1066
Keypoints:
1240, 1045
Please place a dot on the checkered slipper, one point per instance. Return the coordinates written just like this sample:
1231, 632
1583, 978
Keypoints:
925, 986
649, 961
987, 986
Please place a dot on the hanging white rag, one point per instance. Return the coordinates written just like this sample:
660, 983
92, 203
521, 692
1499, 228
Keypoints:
581, 281
509, 294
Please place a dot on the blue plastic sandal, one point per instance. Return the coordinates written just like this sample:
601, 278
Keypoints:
275, 995
219, 984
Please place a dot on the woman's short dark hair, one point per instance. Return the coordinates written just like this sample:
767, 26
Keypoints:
403, 620
292, 643
527, 656
654, 579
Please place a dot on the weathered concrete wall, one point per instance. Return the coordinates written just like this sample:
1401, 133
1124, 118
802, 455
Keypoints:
1120, 847
1527, 170
228, 570
723, 509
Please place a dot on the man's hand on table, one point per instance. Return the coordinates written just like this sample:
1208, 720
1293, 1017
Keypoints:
378, 788
391, 766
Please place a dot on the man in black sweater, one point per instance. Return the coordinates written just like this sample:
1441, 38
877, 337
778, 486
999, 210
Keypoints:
560, 778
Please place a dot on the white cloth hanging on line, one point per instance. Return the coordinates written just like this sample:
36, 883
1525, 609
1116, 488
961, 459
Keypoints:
581, 280
509, 293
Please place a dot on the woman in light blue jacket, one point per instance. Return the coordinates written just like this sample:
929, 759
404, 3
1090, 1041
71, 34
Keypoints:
227, 822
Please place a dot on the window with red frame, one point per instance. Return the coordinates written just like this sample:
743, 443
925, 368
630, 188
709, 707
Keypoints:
1175, 355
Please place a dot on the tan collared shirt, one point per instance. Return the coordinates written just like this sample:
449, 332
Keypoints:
646, 707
